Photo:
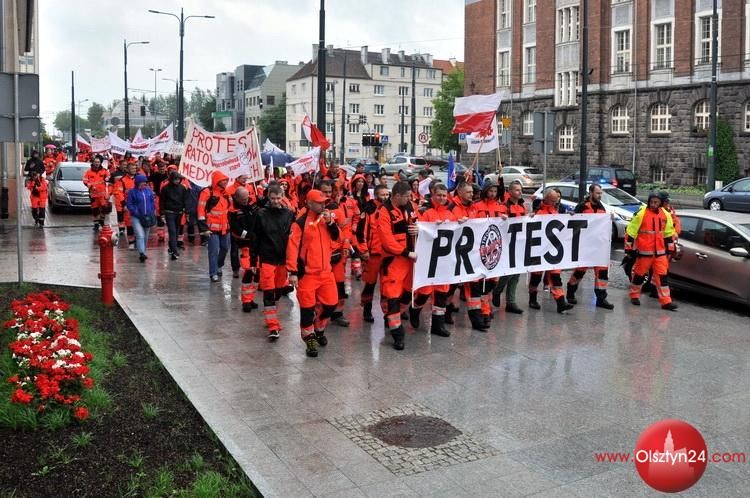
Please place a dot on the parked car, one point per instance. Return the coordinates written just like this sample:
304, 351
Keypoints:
715, 254
733, 197
617, 176
615, 201
371, 165
66, 188
530, 178
408, 165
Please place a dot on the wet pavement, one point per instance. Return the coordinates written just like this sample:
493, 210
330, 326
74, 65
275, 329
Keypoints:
530, 401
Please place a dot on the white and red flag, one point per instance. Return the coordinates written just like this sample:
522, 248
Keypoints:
314, 135
81, 144
308, 163
475, 113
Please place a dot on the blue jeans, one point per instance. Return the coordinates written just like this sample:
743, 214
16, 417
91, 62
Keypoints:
218, 246
141, 234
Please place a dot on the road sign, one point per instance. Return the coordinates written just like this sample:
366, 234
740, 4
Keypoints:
115, 121
383, 139
506, 121
424, 137
462, 138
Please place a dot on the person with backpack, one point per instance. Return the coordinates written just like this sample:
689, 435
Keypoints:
213, 222
37, 186
142, 208
174, 201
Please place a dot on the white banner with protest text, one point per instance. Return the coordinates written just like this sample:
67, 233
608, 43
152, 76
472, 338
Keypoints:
162, 143
453, 252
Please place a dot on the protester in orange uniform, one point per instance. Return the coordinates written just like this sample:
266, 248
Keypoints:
397, 231
371, 250
242, 229
272, 226
234, 252
50, 162
490, 206
287, 200
96, 179
340, 247
516, 208
649, 237
60, 156
438, 211
549, 205
308, 260
213, 222
37, 186
121, 189
591, 205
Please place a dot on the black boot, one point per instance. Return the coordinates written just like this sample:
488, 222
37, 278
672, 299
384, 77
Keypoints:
562, 305
398, 338
601, 300
448, 316
485, 320
367, 313
533, 303
451, 307
572, 288
414, 317
496, 298
513, 308
476, 321
438, 326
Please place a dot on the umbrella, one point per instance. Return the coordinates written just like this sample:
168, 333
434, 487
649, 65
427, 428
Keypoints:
279, 158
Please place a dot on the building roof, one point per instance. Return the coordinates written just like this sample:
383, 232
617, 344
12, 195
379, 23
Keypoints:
354, 67
448, 66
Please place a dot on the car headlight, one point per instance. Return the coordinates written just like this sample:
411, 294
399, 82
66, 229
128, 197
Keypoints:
60, 192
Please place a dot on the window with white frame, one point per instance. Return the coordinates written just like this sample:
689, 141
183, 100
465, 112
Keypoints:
403, 91
427, 129
622, 51
406, 128
529, 11
354, 87
379, 89
661, 119
294, 89
747, 117
354, 108
379, 109
427, 92
403, 109
304, 87
330, 128
704, 36
527, 120
427, 112
403, 72
662, 41
657, 174
378, 128
565, 139
329, 107
330, 85
503, 68
431, 74
567, 24
383, 70
417, 72
353, 127
503, 14
620, 120
294, 128
566, 88
701, 115
529, 67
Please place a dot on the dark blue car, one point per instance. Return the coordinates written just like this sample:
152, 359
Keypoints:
733, 197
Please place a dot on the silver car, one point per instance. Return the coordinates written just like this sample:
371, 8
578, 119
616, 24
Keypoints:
530, 178
715, 254
66, 189
408, 165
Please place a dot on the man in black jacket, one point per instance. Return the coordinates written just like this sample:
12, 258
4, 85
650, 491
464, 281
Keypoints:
272, 227
174, 199
242, 218
34, 163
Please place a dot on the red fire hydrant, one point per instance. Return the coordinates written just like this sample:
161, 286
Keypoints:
107, 241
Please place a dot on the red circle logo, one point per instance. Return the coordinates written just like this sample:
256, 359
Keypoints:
670, 455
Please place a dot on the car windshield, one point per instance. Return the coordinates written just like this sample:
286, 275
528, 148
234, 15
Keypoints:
744, 228
625, 174
72, 173
532, 171
420, 162
617, 197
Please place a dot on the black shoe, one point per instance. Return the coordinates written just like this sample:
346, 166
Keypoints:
143, 257
486, 320
175, 256
398, 338
451, 307
533, 303
669, 307
367, 313
603, 303
312, 347
273, 335
248, 307
571, 295
653, 294
513, 308
215, 278
95, 227
235, 274
635, 301
476, 321
414, 317
122, 231
496, 299
180, 244
321, 338
341, 321
562, 305
449, 317
219, 272
438, 326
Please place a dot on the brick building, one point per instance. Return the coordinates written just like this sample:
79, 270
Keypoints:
650, 63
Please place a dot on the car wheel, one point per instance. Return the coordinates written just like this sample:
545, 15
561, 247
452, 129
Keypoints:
382, 171
715, 205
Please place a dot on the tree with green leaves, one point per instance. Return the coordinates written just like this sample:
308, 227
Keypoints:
451, 88
62, 122
726, 154
204, 115
94, 116
272, 123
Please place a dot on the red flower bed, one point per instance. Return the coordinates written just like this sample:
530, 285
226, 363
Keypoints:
51, 366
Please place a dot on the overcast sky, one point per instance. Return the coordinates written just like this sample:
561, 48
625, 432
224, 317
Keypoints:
86, 36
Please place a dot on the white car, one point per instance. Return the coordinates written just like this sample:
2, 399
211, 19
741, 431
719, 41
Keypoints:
408, 165
530, 178
616, 201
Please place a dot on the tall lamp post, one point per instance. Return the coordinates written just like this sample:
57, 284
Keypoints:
78, 113
180, 97
125, 46
153, 110
176, 91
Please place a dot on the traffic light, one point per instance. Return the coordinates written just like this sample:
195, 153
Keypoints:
376, 139
366, 139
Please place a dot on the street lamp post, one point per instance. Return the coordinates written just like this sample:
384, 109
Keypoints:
180, 97
78, 113
125, 46
153, 109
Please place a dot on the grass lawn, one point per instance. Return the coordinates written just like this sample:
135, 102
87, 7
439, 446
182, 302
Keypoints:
143, 438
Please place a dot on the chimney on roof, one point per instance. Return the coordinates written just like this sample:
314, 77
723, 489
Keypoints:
452, 60
428, 59
401, 55
315, 52
281, 63
363, 54
386, 53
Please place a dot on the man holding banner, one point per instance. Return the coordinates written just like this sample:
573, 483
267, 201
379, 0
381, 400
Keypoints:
515, 208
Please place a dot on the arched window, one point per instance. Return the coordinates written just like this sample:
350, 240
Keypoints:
620, 120
661, 119
701, 115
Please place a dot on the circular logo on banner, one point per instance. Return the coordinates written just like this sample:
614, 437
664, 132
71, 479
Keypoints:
491, 247
670, 455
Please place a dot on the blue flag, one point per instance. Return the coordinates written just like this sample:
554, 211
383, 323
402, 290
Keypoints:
451, 183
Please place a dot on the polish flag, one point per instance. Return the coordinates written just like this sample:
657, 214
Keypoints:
314, 135
475, 113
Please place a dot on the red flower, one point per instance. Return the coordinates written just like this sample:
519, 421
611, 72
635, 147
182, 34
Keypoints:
88, 382
21, 396
81, 413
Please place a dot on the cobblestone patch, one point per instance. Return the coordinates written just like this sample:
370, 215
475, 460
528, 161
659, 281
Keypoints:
402, 460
